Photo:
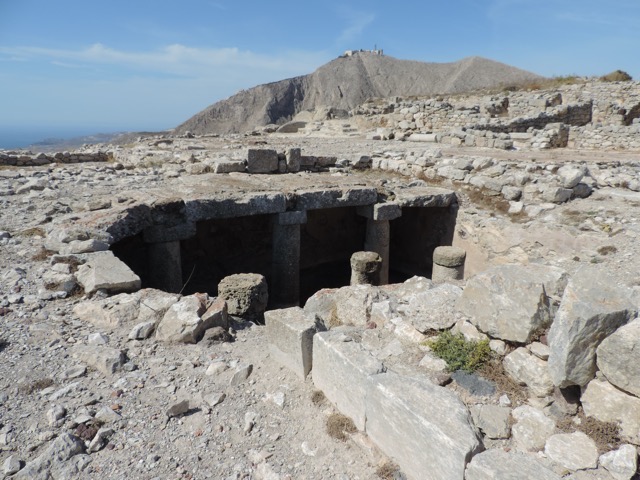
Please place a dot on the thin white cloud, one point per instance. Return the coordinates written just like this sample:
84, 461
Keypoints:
358, 22
174, 59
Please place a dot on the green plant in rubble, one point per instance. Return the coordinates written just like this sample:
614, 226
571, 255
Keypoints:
459, 353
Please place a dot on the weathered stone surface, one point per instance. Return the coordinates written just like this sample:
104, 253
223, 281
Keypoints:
432, 309
593, 307
527, 369
245, 293
103, 270
435, 442
573, 451
290, 334
365, 268
59, 451
353, 304
185, 320
154, 304
449, 256
492, 420
241, 373
618, 357
111, 313
142, 331
532, 428
262, 161
322, 306
104, 359
511, 302
622, 463
570, 175
228, 166
496, 464
606, 403
341, 369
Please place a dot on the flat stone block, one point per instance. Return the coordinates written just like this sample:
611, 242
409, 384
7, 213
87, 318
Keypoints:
292, 218
341, 368
335, 197
262, 161
381, 211
103, 270
424, 428
290, 334
228, 166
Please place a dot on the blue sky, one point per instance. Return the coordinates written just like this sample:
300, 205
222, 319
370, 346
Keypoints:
151, 64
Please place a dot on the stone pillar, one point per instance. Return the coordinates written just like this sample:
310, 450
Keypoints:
365, 268
378, 236
448, 264
285, 276
164, 262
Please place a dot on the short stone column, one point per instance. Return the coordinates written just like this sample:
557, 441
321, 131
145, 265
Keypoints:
448, 264
365, 268
246, 295
378, 235
164, 262
285, 275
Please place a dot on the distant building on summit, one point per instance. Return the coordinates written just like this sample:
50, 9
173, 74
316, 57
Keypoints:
351, 53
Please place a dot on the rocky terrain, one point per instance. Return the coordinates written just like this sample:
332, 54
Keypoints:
345, 83
95, 383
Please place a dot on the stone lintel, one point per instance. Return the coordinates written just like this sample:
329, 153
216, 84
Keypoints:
381, 211
169, 233
425, 197
335, 197
296, 217
259, 203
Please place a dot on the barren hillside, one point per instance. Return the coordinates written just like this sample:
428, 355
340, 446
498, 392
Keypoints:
345, 83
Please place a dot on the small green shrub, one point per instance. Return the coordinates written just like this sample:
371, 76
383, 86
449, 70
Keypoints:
616, 76
459, 353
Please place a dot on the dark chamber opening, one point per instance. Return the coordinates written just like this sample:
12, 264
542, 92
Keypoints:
223, 247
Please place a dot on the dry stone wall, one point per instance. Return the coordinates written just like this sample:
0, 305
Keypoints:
29, 159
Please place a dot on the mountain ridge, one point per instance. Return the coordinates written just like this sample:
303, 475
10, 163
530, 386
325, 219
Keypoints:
345, 83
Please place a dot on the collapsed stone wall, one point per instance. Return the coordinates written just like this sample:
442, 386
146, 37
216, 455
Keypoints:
29, 159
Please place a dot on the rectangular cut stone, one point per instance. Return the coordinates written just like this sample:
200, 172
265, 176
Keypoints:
335, 197
169, 233
424, 197
290, 333
381, 211
103, 270
293, 159
341, 369
424, 428
262, 161
423, 137
226, 166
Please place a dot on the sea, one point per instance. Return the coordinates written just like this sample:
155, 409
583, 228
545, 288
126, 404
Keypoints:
20, 137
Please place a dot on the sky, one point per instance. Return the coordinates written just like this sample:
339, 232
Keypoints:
133, 65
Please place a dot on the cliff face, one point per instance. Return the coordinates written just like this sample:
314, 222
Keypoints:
345, 83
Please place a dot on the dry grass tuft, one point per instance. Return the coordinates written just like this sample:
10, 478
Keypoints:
32, 232
605, 434
42, 255
338, 426
318, 398
494, 371
35, 386
388, 471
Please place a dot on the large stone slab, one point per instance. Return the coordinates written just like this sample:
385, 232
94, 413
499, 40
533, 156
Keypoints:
353, 304
433, 309
511, 302
573, 451
434, 442
341, 367
103, 270
532, 428
593, 306
606, 403
290, 334
618, 357
496, 464
262, 161
111, 312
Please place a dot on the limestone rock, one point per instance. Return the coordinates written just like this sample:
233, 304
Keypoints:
104, 359
439, 440
433, 309
322, 306
111, 312
622, 463
618, 357
185, 321
492, 420
154, 304
290, 334
56, 454
496, 464
593, 307
245, 293
527, 369
573, 451
606, 403
532, 428
353, 304
142, 331
103, 270
511, 302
